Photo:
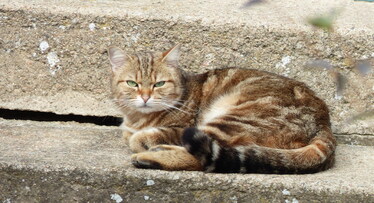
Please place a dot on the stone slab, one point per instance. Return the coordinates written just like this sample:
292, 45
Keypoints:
71, 74
352, 17
71, 162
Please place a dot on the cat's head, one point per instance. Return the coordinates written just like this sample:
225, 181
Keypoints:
146, 83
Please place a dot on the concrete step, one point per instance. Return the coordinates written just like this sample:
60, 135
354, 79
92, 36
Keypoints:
53, 53
53, 59
72, 162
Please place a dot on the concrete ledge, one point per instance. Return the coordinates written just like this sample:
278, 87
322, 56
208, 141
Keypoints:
70, 75
291, 15
65, 162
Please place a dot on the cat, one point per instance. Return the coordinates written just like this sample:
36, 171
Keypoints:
228, 120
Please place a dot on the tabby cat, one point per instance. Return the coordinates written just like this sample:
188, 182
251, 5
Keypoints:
225, 120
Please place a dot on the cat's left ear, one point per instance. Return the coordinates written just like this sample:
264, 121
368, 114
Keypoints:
171, 57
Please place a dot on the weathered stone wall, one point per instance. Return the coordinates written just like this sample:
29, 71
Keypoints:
71, 73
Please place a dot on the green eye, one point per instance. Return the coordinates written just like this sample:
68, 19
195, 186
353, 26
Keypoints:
132, 83
159, 84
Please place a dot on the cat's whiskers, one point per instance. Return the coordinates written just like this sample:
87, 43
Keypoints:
184, 105
172, 113
174, 102
124, 104
173, 107
163, 104
169, 110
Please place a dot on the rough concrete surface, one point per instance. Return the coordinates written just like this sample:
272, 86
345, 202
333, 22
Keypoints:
70, 162
53, 59
53, 53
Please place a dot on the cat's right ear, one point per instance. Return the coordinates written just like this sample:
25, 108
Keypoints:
117, 58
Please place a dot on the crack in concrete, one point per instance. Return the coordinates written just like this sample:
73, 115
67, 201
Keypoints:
50, 117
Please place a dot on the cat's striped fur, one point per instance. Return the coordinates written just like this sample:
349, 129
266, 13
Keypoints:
224, 120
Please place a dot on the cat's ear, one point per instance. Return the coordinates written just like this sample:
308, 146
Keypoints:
117, 58
171, 57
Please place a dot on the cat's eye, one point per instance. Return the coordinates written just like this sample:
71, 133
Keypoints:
159, 84
132, 83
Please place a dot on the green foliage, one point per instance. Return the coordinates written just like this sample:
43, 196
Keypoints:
322, 22
325, 21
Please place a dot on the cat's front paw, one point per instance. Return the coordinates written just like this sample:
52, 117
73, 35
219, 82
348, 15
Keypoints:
163, 147
145, 161
151, 160
166, 157
143, 140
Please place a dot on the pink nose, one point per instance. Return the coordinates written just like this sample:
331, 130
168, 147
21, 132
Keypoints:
145, 98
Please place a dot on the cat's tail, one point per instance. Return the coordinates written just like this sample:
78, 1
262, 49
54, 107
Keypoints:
318, 155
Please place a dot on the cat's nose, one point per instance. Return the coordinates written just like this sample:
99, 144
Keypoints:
145, 98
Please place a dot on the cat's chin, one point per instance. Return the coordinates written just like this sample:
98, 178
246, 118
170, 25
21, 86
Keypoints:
147, 110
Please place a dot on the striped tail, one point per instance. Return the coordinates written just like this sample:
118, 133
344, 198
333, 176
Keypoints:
317, 156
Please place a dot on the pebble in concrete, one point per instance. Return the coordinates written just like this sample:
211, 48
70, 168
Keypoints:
116, 197
150, 182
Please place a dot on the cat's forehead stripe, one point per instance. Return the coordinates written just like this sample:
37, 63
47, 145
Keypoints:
145, 64
138, 76
151, 59
149, 67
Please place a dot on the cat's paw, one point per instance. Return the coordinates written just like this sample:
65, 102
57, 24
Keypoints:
144, 139
163, 147
145, 161
126, 135
166, 157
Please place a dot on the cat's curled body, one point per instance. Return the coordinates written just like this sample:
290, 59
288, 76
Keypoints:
224, 120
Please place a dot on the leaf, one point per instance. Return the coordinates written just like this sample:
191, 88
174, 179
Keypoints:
349, 61
363, 67
341, 83
366, 115
252, 3
319, 63
323, 22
